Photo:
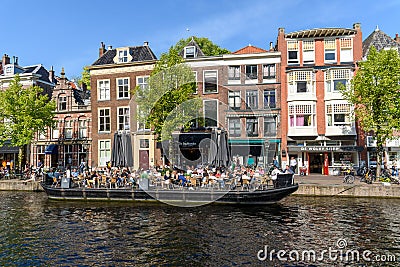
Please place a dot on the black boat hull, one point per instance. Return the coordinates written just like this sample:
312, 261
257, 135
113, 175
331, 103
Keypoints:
175, 196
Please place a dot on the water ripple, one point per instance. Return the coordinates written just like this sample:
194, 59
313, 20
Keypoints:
37, 232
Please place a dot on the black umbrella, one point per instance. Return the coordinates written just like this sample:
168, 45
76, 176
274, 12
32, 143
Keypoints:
121, 155
219, 154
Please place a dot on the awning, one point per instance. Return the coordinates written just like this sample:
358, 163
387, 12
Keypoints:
51, 149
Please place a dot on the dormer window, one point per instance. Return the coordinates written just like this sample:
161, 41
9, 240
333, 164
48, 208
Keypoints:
190, 51
123, 56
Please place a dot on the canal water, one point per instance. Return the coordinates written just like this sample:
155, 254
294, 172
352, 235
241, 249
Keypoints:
298, 231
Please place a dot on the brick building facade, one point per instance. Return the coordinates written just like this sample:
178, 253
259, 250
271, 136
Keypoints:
316, 126
241, 93
114, 75
69, 143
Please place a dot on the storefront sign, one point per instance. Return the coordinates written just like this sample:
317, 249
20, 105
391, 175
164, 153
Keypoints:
320, 148
325, 148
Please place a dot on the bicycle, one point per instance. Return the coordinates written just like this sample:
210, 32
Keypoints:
369, 176
348, 177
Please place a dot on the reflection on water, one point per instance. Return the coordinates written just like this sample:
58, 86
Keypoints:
37, 232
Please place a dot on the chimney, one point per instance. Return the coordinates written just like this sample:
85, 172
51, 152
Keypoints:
62, 73
109, 47
271, 48
16, 61
51, 74
102, 49
145, 43
357, 26
397, 38
5, 60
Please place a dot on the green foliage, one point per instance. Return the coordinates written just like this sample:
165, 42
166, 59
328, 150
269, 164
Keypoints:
375, 93
168, 103
23, 113
85, 78
207, 46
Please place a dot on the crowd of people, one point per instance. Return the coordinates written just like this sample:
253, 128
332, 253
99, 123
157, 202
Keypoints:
171, 177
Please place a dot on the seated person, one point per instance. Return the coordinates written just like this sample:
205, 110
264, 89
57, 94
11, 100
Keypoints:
182, 179
275, 171
74, 174
288, 170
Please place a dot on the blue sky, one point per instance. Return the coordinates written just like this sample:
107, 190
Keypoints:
68, 33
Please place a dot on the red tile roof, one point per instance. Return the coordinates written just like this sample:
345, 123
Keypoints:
249, 50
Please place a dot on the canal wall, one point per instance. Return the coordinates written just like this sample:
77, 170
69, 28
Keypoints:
358, 190
20, 185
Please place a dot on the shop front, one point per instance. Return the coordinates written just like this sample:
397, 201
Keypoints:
256, 152
327, 160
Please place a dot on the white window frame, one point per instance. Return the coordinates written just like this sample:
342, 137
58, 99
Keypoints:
333, 109
329, 48
62, 100
295, 77
186, 53
346, 50
103, 90
123, 56
104, 151
234, 100
197, 87
208, 72
82, 127
293, 46
234, 131
68, 128
332, 76
269, 71
204, 110
143, 81
270, 121
234, 73
125, 117
105, 122
139, 125
252, 99
267, 95
308, 51
297, 110
254, 130
124, 88
250, 75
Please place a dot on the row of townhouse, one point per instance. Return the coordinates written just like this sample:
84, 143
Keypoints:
281, 102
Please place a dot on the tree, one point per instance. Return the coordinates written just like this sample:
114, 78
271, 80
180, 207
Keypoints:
169, 102
24, 112
375, 93
207, 46
84, 79
163, 106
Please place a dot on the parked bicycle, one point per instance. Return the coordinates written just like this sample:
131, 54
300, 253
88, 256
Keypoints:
368, 176
348, 177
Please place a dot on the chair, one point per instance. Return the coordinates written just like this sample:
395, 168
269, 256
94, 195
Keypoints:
193, 182
230, 183
103, 181
246, 183
113, 182
55, 182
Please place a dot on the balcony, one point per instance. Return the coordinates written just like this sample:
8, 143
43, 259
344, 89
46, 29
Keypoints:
340, 130
302, 131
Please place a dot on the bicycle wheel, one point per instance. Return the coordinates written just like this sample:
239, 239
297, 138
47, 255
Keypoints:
349, 179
